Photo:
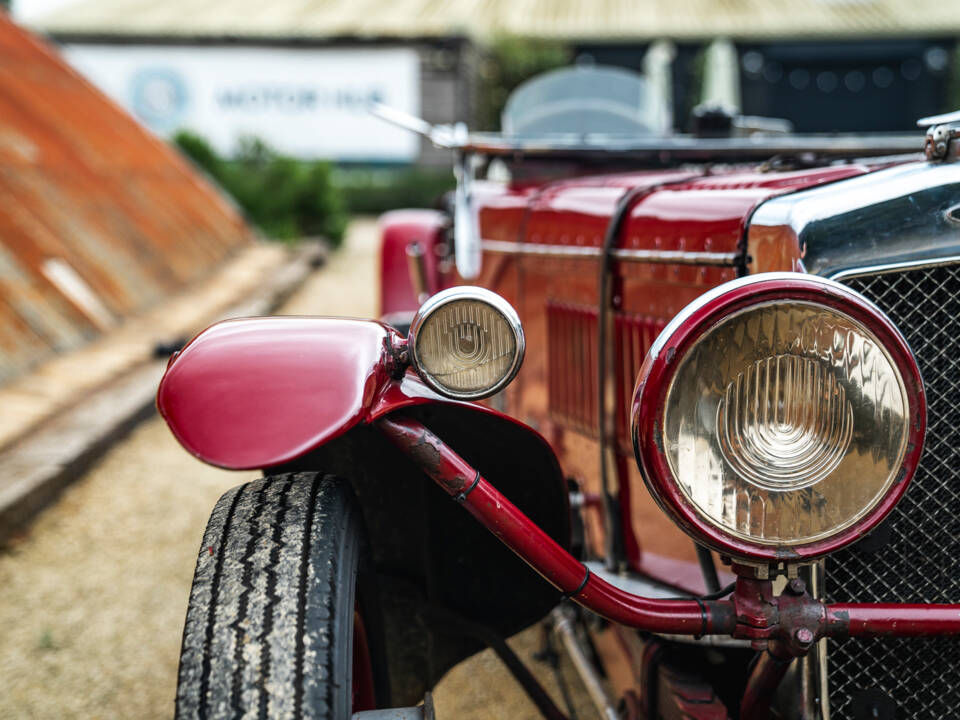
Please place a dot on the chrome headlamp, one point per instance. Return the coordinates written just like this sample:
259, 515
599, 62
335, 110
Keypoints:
466, 343
778, 417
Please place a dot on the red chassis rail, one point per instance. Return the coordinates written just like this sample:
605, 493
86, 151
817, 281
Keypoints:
793, 621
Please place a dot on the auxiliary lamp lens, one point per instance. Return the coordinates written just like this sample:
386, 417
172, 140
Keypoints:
467, 347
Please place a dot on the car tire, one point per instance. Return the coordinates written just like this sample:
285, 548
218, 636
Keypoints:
282, 620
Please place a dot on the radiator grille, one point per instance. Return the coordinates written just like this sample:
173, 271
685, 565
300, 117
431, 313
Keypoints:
633, 336
915, 556
572, 365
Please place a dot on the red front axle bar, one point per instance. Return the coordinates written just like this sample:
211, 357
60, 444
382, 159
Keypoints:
795, 622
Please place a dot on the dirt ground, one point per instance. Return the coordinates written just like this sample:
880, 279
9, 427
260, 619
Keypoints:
92, 598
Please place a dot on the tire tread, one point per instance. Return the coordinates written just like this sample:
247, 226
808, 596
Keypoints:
258, 639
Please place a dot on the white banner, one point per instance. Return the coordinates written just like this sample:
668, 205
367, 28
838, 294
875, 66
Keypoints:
309, 102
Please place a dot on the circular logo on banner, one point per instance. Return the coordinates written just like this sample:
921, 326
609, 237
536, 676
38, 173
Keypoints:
159, 97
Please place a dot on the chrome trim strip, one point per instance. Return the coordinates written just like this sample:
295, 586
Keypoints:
669, 257
894, 267
683, 146
677, 257
516, 248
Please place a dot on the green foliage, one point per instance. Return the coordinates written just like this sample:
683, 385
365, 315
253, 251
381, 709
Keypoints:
510, 62
284, 197
371, 191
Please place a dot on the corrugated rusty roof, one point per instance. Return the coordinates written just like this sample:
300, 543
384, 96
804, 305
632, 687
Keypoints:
98, 218
583, 19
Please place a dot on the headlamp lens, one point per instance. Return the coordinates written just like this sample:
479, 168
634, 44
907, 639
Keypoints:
786, 422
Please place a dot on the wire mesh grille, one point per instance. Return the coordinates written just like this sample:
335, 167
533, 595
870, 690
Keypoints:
913, 557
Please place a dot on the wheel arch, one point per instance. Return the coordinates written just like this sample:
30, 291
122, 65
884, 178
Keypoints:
433, 559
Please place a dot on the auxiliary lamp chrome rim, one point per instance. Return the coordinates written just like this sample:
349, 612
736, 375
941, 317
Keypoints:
463, 293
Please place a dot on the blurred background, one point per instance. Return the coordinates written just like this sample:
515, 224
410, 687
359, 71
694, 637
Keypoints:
167, 163
235, 80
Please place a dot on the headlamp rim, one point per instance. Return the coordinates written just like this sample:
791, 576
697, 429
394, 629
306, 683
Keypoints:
686, 329
463, 293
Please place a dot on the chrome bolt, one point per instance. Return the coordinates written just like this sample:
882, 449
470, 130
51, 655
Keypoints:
803, 636
797, 586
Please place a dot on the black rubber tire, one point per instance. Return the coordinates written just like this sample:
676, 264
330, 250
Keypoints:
269, 629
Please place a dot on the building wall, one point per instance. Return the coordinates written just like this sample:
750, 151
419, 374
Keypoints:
822, 86
435, 80
448, 83
854, 86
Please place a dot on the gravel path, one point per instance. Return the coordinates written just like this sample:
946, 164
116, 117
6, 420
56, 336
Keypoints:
92, 599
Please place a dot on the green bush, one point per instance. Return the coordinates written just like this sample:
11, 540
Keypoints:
371, 191
509, 62
284, 197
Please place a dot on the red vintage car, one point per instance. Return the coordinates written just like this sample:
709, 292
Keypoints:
693, 399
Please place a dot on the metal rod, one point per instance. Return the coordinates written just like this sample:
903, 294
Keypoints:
417, 269
767, 674
707, 568
881, 619
764, 617
528, 682
542, 552
613, 525
563, 626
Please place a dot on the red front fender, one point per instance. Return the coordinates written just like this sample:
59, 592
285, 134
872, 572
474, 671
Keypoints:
302, 393
257, 392
262, 392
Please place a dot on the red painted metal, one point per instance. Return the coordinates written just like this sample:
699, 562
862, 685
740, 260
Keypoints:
458, 479
891, 619
634, 335
767, 674
572, 367
657, 372
791, 623
260, 392
688, 697
257, 392
704, 211
398, 229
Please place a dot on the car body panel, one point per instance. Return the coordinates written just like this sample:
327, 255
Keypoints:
257, 392
294, 393
398, 229
675, 211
